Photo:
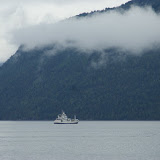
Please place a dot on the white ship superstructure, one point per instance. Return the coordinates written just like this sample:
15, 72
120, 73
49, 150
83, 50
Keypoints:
63, 119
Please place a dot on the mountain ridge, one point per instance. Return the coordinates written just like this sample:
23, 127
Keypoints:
154, 4
36, 86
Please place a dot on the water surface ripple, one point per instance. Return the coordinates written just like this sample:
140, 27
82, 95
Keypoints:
89, 140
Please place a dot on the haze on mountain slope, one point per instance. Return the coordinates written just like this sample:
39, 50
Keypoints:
19, 14
134, 30
109, 84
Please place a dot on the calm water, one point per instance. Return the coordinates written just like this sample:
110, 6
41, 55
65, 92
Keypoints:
99, 140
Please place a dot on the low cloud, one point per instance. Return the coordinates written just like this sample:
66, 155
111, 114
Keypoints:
19, 14
134, 30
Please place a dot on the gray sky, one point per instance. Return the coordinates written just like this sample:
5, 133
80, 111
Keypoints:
21, 14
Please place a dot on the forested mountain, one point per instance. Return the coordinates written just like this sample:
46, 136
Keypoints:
115, 86
154, 4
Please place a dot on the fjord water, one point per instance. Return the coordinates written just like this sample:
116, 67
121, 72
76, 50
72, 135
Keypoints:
89, 140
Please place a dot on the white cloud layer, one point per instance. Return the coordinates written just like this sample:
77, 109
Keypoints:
135, 30
19, 14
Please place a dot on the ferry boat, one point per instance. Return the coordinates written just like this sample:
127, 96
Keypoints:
63, 119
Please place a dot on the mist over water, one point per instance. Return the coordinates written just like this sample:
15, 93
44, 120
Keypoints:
113, 140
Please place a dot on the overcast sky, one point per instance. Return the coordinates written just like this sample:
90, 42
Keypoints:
19, 14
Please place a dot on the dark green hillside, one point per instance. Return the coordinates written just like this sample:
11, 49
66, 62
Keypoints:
36, 86
155, 4
118, 86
